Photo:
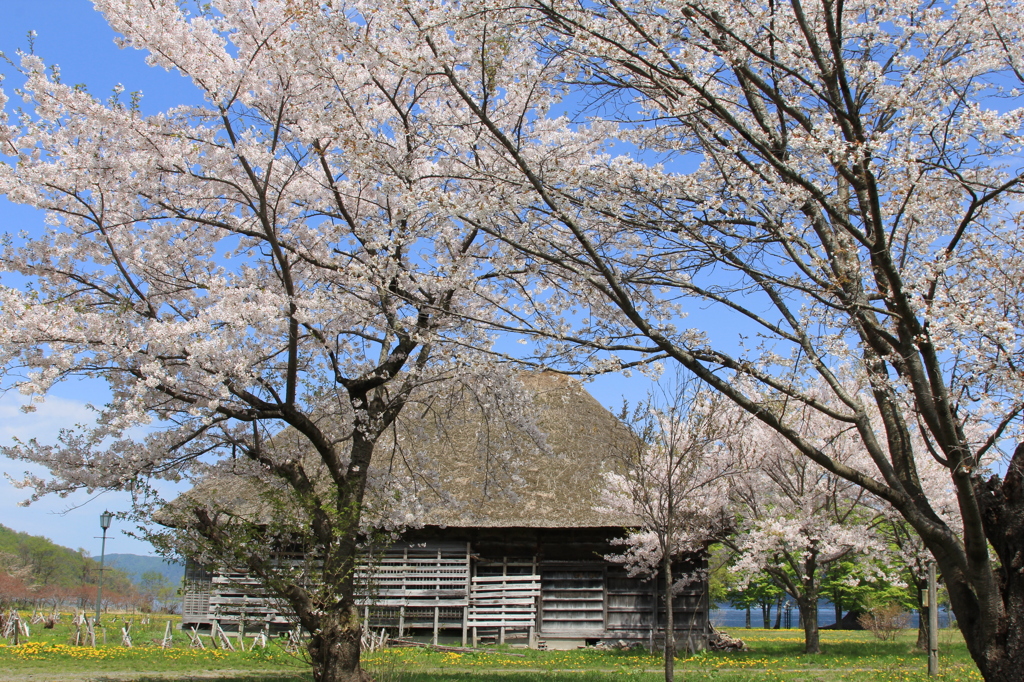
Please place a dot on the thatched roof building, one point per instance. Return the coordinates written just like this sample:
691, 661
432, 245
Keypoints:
513, 538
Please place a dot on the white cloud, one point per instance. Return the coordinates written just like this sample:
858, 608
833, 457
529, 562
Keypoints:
45, 422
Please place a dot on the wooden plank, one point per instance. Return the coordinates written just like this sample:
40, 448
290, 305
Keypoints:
412, 604
418, 591
509, 579
510, 594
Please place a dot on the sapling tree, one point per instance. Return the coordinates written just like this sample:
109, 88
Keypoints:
674, 482
279, 264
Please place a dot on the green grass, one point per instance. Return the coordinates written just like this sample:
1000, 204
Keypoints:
773, 655
50, 651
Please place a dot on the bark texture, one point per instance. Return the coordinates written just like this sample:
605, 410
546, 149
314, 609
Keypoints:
334, 651
809, 619
1002, 506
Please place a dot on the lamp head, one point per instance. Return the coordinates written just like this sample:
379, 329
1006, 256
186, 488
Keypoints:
105, 518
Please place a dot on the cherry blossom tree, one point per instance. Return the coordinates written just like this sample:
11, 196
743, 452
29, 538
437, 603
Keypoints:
280, 264
798, 521
839, 180
675, 483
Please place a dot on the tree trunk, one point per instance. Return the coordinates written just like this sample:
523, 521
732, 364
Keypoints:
766, 614
778, 614
837, 604
1001, 658
809, 617
670, 626
748, 616
334, 650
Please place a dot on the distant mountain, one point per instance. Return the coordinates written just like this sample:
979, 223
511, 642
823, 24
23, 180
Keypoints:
38, 561
135, 565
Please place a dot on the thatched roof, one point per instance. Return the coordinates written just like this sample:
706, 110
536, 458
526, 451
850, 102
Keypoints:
491, 469
560, 482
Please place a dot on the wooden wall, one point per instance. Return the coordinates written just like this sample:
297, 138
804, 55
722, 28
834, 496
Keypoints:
534, 584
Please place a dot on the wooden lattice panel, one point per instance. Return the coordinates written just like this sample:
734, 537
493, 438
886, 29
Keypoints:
417, 577
504, 601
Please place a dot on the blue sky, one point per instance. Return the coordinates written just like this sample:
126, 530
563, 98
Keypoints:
73, 35
76, 37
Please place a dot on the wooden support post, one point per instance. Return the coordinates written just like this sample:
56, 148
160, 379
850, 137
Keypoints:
604, 599
469, 588
405, 588
537, 605
195, 641
168, 640
504, 574
437, 586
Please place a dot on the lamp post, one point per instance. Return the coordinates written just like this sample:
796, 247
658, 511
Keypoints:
105, 518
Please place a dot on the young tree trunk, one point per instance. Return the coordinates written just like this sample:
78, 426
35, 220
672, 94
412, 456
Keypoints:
670, 625
766, 614
837, 604
748, 616
778, 614
922, 621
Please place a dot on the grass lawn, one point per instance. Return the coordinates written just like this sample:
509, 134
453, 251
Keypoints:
48, 654
774, 655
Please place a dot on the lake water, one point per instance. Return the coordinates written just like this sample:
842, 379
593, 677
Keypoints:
729, 617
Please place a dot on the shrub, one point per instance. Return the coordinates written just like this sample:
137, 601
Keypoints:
885, 621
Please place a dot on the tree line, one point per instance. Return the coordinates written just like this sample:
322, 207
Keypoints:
39, 574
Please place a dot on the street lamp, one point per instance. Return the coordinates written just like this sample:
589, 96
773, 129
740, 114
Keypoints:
105, 518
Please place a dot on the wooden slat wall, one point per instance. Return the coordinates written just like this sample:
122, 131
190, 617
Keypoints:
441, 585
572, 599
504, 601
410, 586
237, 597
630, 603
198, 584
415, 586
